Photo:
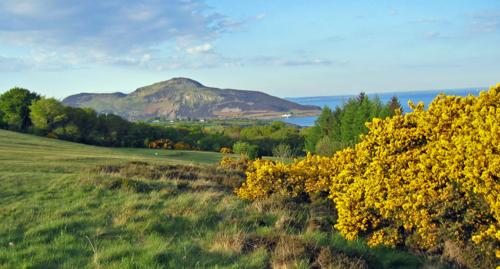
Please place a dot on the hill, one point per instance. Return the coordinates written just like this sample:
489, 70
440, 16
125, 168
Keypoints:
181, 98
67, 205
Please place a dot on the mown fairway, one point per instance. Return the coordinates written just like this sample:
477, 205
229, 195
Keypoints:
66, 205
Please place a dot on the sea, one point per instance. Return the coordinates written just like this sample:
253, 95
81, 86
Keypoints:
425, 96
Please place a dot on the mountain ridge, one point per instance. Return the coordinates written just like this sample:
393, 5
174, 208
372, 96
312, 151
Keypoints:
180, 98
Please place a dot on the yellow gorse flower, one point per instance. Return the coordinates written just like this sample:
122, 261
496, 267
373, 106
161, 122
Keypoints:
426, 176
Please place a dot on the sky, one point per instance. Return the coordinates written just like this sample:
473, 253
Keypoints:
286, 48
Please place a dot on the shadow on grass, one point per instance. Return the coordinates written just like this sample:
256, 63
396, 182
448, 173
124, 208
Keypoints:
193, 256
376, 257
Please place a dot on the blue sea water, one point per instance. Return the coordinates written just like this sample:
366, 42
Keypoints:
333, 101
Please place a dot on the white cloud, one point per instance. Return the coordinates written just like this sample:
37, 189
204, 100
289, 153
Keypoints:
260, 16
485, 22
108, 32
11, 64
205, 48
47, 61
429, 21
22, 8
141, 13
432, 35
268, 60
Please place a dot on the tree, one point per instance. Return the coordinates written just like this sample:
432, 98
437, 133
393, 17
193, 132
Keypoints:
84, 119
344, 125
326, 147
244, 148
3, 124
394, 105
48, 114
361, 97
67, 132
311, 137
325, 121
266, 137
14, 107
282, 152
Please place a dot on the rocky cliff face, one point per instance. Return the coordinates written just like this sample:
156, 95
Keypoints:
185, 98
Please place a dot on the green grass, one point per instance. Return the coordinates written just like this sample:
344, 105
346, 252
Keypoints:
66, 205
32, 150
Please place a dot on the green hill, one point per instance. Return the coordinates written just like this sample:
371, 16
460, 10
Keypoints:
181, 98
67, 205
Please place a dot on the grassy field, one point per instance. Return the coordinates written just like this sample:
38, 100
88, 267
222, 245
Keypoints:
66, 205
32, 149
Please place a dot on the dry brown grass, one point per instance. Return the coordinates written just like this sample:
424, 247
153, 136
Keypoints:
286, 251
334, 260
291, 251
466, 256
227, 242
144, 177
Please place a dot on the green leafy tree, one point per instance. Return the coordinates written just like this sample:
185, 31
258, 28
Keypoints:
48, 114
244, 148
14, 107
268, 136
311, 137
84, 119
67, 132
3, 124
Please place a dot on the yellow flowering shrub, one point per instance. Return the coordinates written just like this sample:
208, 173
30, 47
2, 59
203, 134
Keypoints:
430, 174
310, 175
419, 178
264, 177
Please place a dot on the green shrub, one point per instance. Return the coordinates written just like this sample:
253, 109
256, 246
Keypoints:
244, 148
282, 152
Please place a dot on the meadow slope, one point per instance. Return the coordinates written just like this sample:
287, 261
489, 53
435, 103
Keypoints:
67, 205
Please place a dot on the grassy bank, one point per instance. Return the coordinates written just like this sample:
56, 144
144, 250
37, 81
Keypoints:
66, 205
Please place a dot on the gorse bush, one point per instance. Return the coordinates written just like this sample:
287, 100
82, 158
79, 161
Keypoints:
182, 146
163, 143
308, 176
418, 179
235, 164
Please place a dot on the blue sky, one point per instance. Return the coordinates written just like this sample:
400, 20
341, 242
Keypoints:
282, 47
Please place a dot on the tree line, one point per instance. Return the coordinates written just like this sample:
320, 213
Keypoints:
341, 127
25, 111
